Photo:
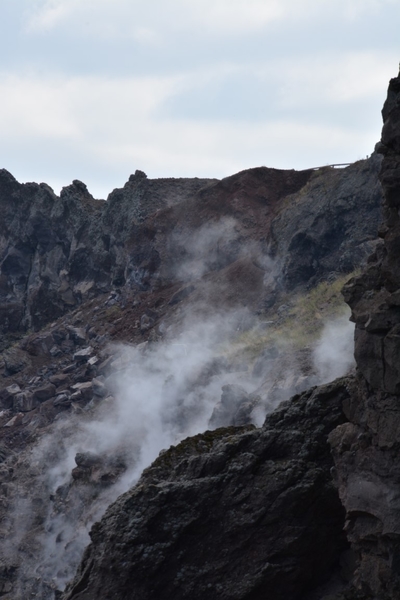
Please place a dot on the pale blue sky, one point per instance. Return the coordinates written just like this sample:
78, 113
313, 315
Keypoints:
95, 89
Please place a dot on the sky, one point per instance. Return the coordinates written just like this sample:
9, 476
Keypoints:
95, 89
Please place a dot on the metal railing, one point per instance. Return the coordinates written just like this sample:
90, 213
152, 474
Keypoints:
324, 166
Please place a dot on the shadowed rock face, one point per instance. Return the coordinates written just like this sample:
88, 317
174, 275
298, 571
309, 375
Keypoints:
325, 228
375, 296
239, 513
366, 449
57, 251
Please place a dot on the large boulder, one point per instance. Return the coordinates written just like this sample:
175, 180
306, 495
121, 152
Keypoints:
239, 513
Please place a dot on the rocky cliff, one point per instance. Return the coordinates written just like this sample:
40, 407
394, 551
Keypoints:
366, 450
175, 306
228, 514
57, 252
235, 513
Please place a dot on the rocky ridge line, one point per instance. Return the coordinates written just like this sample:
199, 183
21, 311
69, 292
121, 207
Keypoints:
58, 252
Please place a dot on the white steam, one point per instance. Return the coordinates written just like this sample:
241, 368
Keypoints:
204, 249
333, 355
158, 394
161, 393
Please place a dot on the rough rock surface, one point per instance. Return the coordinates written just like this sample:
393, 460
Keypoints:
239, 513
56, 252
366, 449
321, 232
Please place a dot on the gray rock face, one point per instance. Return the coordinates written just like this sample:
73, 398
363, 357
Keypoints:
366, 449
375, 296
56, 251
239, 513
367, 471
325, 228
15, 360
7, 395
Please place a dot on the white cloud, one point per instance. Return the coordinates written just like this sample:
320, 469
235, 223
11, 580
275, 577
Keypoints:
215, 16
146, 36
347, 9
119, 125
233, 16
48, 14
352, 9
154, 18
36, 108
335, 78
223, 148
135, 17
61, 107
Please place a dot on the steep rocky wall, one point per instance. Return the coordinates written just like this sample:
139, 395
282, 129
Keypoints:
261, 500
367, 449
56, 251
329, 226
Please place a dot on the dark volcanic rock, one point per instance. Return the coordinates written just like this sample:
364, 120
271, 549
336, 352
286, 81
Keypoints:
57, 251
367, 449
44, 392
15, 360
374, 296
7, 395
325, 228
235, 513
239, 513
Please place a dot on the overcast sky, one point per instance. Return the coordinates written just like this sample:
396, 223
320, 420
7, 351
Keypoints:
95, 89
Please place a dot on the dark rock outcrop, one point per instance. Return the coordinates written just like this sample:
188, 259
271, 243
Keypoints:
239, 513
57, 251
325, 228
367, 448
227, 514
